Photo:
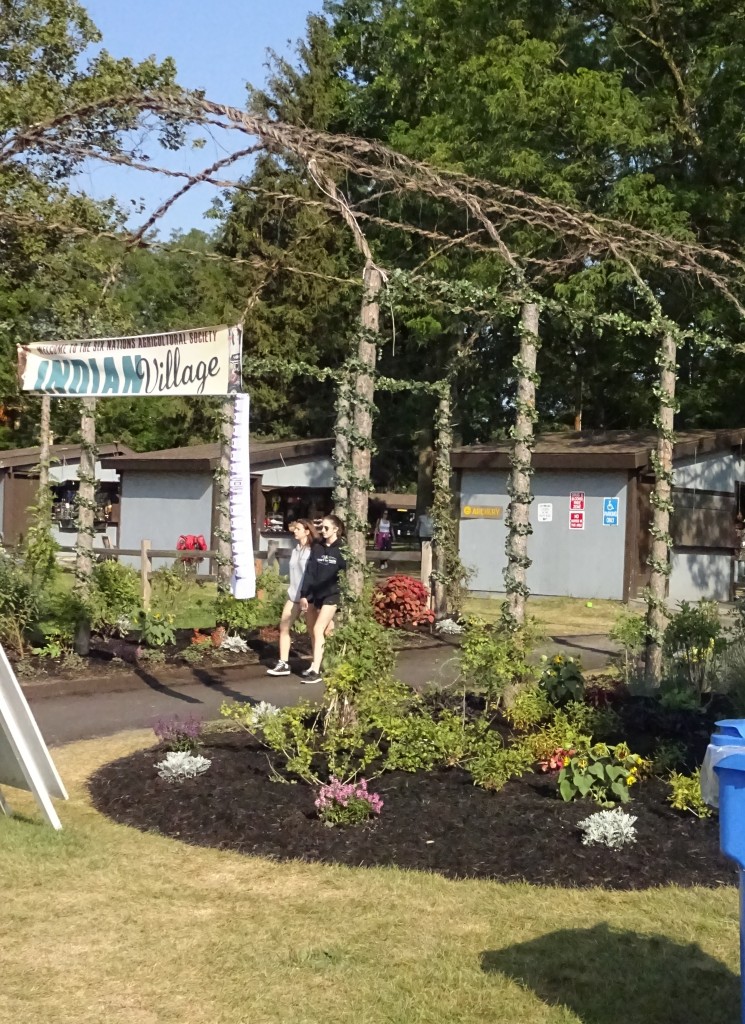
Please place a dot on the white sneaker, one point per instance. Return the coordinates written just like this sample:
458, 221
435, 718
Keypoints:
280, 669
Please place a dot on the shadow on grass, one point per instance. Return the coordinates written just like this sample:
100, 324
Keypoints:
606, 976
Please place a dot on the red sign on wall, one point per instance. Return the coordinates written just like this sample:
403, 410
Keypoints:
576, 501
576, 520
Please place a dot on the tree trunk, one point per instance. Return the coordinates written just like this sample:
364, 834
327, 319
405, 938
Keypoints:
661, 508
45, 441
86, 499
364, 391
518, 512
341, 448
222, 483
444, 534
425, 490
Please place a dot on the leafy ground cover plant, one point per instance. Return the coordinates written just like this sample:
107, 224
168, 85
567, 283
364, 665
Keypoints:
402, 601
613, 829
605, 774
562, 680
350, 803
157, 628
179, 765
114, 598
529, 707
685, 794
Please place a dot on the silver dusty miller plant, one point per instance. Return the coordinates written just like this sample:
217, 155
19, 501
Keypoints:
180, 764
613, 829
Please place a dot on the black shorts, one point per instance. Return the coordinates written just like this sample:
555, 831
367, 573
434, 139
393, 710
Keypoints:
319, 602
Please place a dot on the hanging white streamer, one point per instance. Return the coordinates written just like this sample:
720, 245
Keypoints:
243, 580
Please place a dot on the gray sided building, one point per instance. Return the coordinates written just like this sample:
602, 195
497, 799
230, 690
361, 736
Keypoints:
169, 493
591, 514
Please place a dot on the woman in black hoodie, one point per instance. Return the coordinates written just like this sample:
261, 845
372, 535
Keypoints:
319, 592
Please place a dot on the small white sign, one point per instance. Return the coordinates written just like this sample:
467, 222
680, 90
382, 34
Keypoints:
545, 512
24, 759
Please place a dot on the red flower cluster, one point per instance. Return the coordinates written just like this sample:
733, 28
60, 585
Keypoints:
402, 601
556, 761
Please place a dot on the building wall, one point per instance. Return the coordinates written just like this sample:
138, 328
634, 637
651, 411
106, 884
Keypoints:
575, 563
313, 473
159, 507
713, 472
701, 574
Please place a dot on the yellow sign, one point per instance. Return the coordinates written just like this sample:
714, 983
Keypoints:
482, 512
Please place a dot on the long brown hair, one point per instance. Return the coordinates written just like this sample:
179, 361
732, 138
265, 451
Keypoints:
309, 527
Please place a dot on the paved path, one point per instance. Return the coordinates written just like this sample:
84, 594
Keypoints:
134, 700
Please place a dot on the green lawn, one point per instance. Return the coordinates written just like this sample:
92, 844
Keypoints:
105, 924
556, 616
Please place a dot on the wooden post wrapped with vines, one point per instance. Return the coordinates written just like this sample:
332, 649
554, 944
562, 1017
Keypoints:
342, 450
45, 442
86, 499
445, 534
364, 392
519, 489
662, 506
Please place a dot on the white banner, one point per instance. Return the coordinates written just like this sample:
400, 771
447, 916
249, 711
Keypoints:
243, 582
199, 362
24, 759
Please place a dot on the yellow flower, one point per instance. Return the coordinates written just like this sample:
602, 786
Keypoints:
631, 780
565, 761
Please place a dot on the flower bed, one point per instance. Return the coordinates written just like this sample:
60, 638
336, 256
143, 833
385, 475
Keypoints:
433, 821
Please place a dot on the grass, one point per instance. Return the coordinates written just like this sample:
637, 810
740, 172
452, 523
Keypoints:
103, 923
556, 616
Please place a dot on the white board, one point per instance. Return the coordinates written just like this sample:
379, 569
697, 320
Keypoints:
25, 761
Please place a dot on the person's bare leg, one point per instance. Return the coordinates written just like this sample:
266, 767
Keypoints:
290, 612
310, 621
325, 615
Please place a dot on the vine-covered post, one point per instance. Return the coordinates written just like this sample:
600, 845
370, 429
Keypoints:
444, 540
518, 488
364, 392
45, 441
86, 501
662, 506
222, 499
342, 451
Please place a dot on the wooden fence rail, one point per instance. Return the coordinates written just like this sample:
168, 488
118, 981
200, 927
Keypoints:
274, 554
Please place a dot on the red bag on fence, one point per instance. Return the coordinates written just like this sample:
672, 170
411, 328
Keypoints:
191, 542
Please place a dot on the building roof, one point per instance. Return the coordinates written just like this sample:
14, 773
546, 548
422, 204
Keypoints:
28, 458
200, 458
587, 449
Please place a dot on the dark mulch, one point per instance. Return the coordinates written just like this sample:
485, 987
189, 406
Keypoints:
436, 821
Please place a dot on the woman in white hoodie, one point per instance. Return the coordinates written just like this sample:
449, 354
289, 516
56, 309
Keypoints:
306, 536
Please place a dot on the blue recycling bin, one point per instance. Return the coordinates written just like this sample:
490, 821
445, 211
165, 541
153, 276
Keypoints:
730, 771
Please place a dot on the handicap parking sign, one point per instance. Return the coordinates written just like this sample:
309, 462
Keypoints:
610, 511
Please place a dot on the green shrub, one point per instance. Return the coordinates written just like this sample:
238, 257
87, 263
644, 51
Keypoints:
562, 680
491, 659
685, 794
493, 765
693, 641
422, 742
630, 631
19, 604
115, 596
265, 610
668, 756
529, 707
